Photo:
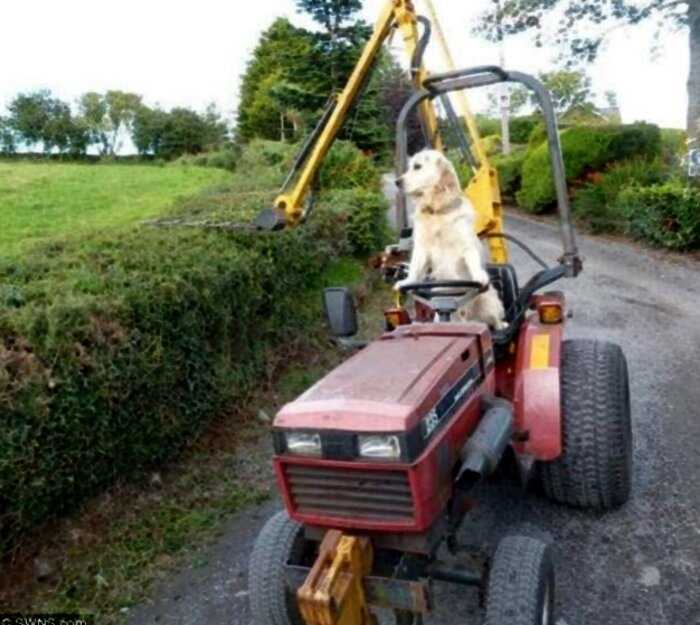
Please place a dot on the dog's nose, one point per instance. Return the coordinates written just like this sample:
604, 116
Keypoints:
399, 182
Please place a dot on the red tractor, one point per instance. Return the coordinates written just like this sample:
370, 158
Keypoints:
376, 462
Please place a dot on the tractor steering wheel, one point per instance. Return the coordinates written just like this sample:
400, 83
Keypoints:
427, 289
445, 297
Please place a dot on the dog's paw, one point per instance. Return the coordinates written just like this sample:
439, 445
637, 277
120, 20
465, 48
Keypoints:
401, 283
483, 278
501, 325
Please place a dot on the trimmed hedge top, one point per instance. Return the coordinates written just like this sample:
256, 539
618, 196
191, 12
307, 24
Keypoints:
665, 215
117, 350
586, 149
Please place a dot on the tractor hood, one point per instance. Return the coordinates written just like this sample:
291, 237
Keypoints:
393, 382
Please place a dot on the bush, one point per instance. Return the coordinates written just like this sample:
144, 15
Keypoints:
492, 144
488, 125
264, 165
510, 171
346, 167
521, 128
221, 159
586, 149
538, 136
115, 351
367, 229
595, 204
666, 215
674, 149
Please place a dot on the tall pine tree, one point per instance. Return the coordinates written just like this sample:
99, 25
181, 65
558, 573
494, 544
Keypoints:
279, 68
293, 71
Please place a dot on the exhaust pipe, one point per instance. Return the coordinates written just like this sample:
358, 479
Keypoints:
485, 447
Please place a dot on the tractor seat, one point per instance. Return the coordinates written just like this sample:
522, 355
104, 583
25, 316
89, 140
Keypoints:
505, 281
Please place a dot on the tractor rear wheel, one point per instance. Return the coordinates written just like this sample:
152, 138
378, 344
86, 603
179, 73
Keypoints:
521, 583
271, 601
595, 468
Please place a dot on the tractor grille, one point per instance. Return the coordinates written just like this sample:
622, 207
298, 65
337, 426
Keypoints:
370, 495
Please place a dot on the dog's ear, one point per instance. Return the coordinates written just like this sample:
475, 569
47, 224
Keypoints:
449, 183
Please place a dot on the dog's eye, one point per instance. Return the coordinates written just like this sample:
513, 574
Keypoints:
417, 166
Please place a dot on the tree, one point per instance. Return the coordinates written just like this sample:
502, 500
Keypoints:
216, 129
568, 88
8, 144
147, 130
184, 132
581, 26
341, 35
517, 100
58, 128
39, 117
29, 115
93, 109
395, 88
293, 72
121, 109
180, 131
282, 58
78, 134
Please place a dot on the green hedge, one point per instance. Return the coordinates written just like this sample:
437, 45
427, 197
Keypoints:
666, 215
365, 215
488, 125
114, 353
595, 204
221, 159
537, 136
521, 128
586, 149
117, 350
510, 171
346, 167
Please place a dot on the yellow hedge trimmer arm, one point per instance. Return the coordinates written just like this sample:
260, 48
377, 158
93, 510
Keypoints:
396, 14
483, 190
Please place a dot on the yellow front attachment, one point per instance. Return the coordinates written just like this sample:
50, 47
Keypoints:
333, 593
485, 195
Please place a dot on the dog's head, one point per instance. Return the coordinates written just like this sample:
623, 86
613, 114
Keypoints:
432, 179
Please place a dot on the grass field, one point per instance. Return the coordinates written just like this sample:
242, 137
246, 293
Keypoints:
42, 201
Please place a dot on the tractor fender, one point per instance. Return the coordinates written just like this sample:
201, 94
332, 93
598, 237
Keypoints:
538, 427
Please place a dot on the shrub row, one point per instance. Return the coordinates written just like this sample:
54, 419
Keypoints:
623, 179
666, 215
510, 171
595, 203
117, 350
586, 149
221, 159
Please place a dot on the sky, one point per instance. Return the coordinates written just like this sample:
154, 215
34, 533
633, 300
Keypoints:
184, 53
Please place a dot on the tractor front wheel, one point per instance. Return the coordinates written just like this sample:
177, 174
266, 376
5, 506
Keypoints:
521, 583
595, 468
281, 541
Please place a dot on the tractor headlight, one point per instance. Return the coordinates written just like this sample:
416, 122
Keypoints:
304, 443
382, 446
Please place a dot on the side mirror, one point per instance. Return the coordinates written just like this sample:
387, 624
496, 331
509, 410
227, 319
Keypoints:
340, 311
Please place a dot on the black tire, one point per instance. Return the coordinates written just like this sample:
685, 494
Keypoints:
595, 468
271, 602
521, 584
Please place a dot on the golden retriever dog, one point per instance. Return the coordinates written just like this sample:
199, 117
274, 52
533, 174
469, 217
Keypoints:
445, 245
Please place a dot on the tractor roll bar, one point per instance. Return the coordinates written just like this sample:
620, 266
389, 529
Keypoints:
481, 76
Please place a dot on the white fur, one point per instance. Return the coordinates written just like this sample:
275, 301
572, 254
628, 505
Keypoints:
445, 245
